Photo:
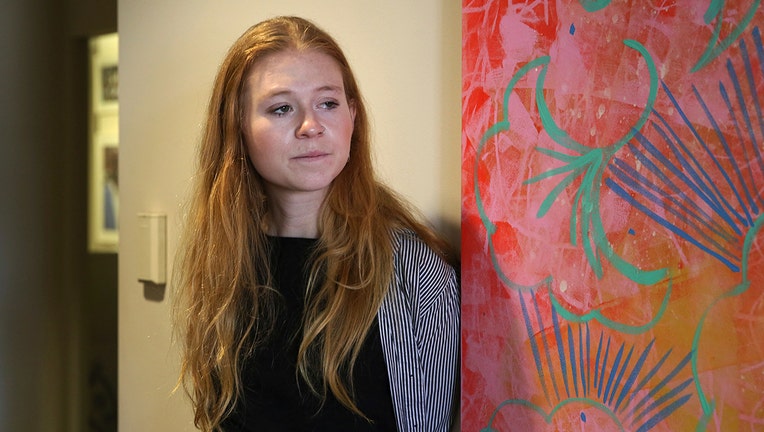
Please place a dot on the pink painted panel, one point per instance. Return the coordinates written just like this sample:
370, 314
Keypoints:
613, 192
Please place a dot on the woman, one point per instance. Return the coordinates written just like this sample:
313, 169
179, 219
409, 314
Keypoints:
312, 297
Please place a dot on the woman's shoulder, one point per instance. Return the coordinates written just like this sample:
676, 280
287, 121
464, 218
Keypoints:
412, 251
422, 277
407, 241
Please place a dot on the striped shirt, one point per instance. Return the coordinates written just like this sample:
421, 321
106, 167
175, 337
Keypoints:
419, 328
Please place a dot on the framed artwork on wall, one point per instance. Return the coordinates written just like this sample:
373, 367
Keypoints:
108, 74
103, 189
104, 194
104, 74
613, 206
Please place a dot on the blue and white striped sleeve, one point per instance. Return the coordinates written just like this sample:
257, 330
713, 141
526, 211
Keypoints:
419, 328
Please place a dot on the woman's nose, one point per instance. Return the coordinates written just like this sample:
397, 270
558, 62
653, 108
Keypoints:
310, 126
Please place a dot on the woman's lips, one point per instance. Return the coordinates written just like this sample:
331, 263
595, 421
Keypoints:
311, 155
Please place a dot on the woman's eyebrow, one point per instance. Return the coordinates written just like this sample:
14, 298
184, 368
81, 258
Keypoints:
331, 88
286, 91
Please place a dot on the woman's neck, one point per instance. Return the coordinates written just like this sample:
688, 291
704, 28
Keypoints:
295, 215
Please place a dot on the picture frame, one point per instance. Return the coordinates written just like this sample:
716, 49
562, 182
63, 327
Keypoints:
104, 72
103, 184
104, 195
108, 85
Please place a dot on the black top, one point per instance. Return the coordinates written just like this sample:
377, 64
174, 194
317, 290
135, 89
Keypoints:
275, 397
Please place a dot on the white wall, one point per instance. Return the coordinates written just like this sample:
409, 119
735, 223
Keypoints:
406, 56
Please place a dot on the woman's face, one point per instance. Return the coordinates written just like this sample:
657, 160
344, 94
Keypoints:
298, 123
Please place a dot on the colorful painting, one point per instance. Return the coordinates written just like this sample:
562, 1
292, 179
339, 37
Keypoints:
613, 194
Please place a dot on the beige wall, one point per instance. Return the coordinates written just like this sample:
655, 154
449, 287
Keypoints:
407, 58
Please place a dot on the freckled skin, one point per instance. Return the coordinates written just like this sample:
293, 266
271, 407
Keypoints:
298, 123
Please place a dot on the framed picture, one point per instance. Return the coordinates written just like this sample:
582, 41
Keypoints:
109, 75
104, 73
103, 217
104, 195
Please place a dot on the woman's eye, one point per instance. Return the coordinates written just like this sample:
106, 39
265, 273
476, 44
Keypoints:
281, 110
329, 104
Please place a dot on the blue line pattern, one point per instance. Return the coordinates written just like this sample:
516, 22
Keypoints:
675, 186
612, 377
